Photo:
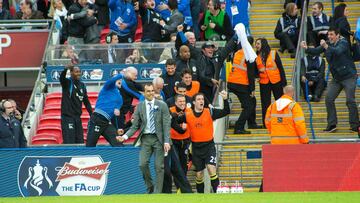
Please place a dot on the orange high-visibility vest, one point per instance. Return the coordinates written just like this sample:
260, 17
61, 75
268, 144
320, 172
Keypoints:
201, 128
288, 125
238, 72
269, 72
173, 133
195, 88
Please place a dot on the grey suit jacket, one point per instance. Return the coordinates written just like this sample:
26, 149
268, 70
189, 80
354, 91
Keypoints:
162, 122
176, 19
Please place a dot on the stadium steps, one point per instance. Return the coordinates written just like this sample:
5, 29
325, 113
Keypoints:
263, 19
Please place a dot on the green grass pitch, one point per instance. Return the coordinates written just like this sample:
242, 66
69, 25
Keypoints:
303, 197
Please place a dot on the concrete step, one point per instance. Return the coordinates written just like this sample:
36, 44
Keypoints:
318, 129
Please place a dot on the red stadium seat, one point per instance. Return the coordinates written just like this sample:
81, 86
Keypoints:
52, 110
104, 33
49, 120
53, 98
45, 138
139, 30
49, 129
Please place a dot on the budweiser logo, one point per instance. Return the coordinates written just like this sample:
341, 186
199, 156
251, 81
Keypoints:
95, 172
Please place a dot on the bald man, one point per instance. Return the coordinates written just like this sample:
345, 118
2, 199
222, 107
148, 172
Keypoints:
184, 61
285, 120
158, 84
131, 74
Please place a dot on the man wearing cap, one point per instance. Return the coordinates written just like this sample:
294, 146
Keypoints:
210, 64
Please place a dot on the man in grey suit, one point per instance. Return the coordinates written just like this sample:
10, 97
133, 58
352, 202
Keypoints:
153, 119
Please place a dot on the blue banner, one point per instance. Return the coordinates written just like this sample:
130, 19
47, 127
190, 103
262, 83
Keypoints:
69, 171
95, 73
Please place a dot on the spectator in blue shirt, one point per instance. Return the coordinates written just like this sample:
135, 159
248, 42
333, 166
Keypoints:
238, 12
122, 20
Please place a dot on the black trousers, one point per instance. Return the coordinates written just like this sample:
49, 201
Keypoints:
182, 149
172, 169
247, 103
99, 125
252, 118
265, 94
316, 89
129, 38
208, 91
72, 130
288, 42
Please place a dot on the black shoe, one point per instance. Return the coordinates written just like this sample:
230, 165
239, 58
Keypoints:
150, 190
255, 126
281, 50
242, 132
316, 99
355, 129
330, 129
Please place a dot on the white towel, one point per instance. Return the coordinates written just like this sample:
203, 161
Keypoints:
250, 54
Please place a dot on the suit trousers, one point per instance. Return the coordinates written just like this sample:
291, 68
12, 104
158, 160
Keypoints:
150, 144
265, 94
247, 104
335, 87
98, 125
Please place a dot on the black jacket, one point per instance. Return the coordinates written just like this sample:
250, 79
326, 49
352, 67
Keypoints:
169, 84
189, 64
103, 12
210, 67
306, 70
151, 25
279, 31
11, 133
127, 97
71, 103
78, 27
339, 57
5, 15
343, 25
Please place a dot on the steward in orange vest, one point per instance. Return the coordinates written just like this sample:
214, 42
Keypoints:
200, 125
241, 82
271, 74
285, 120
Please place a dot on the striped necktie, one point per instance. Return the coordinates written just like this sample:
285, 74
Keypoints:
151, 118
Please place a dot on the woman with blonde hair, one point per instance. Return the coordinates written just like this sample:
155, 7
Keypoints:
59, 13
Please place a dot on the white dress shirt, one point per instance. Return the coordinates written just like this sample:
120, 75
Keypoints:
147, 128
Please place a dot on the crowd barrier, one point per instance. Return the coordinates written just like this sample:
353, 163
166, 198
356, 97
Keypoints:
70, 171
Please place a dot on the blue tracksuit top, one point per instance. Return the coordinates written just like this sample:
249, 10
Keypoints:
110, 98
118, 8
184, 8
241, 16
165, 14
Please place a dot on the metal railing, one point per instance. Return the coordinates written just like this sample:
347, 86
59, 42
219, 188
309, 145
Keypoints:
299, 53
244, 165
24, 25
39, 83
